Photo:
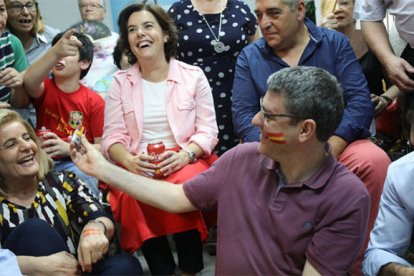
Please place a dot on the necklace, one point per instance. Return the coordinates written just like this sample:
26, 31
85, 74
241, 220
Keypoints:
219, 46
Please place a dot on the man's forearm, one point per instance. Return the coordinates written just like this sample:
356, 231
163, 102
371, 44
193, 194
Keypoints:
160, 194
376, 36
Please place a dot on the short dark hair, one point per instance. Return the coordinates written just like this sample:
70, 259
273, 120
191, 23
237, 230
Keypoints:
117, 54
162, 17
310, 93
85, 51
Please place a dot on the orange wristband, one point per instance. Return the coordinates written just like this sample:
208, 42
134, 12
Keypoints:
89, 232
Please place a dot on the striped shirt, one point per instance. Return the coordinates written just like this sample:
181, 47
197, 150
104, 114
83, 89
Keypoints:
62, 201
11, 55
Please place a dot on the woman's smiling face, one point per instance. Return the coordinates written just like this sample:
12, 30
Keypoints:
18, 153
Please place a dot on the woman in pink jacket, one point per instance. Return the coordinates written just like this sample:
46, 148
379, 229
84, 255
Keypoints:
158, 98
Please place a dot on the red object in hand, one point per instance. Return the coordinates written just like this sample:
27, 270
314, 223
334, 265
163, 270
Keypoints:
155, 149
41, 132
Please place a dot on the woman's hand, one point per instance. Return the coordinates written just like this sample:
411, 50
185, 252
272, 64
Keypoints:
93, 245
330, 22
140, 164
53, 145
60, 264
172, 161
10, 78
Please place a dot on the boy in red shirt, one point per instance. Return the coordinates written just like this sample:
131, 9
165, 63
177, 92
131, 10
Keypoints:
62, 103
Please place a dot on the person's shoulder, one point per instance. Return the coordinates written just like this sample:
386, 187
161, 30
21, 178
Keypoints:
255, 47
185, 69
49, 33
402, 166
342, 175
122, 75
331, 35
14, 40
183, 65
246, 150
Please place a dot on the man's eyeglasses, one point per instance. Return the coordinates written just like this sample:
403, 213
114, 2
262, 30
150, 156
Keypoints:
273, 116
90, 5
18, 7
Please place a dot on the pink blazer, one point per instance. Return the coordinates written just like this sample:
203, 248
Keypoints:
190, 109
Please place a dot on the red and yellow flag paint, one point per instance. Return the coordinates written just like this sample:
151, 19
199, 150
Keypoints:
276, 137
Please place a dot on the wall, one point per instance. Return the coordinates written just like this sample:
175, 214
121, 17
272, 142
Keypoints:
62, 14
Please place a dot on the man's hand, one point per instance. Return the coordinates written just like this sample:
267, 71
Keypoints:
338, 145
87, 158
400, 72
10, 78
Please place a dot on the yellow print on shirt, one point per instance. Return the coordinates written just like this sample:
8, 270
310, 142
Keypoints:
75, 119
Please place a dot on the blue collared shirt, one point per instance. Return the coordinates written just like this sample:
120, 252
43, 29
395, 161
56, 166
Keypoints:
41, 43
326, 49
393, 227
8, 263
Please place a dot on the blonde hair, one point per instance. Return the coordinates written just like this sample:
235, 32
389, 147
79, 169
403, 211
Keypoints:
8, 116
39, 24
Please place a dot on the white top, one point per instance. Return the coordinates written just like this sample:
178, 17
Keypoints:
375, 10
156, 126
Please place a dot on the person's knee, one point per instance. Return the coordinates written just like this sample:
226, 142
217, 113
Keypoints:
366, 160
121, 264
35, 237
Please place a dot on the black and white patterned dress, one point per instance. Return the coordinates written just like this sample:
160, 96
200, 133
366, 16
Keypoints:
196, 47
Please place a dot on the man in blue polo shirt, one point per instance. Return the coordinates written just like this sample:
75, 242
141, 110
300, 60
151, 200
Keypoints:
289, 39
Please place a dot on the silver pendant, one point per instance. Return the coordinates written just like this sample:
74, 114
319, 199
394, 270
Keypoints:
218, 46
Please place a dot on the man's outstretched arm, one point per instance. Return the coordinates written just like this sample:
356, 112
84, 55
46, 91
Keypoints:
159, 194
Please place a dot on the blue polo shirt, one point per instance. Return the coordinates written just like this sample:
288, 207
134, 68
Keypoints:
326, 49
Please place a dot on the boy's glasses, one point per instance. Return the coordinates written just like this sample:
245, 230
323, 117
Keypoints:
18, 7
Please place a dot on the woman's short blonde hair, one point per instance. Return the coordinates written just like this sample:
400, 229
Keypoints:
8, 116
39, 24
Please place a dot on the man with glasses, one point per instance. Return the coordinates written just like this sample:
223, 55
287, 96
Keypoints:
104, 40
285, 205
92, 10
289, 39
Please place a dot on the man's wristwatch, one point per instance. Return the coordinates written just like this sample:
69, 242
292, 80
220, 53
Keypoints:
191, 155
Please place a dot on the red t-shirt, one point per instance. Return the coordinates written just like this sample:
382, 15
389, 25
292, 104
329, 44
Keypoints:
62, 112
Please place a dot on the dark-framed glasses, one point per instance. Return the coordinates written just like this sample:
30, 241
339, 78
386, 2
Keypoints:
273, 116
93, 6
18, 7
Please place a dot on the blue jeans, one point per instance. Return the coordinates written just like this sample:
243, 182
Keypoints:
90, 181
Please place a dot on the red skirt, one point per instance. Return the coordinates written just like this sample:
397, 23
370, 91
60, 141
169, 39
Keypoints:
140, 222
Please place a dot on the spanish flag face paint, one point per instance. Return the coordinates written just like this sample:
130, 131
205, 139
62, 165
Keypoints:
276, 137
